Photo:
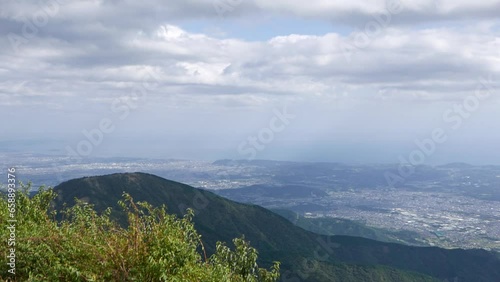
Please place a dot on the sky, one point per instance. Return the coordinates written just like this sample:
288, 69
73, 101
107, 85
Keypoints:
341, 81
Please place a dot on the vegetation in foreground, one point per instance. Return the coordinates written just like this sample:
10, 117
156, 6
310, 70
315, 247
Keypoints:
87, 246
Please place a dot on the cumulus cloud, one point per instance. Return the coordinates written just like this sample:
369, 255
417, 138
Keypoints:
86, 58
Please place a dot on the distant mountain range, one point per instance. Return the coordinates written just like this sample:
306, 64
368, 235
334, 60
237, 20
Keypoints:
305, 256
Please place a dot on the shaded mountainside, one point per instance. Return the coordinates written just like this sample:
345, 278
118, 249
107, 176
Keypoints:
303, 254
286, 191
341, 226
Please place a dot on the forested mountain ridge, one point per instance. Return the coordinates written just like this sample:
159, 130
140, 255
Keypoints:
276, 239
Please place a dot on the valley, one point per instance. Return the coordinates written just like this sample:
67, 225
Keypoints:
452, 206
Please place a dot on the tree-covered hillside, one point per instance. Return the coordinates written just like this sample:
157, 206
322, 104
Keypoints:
87, 246
304, 256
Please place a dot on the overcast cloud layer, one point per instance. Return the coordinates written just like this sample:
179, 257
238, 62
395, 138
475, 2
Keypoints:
213, 73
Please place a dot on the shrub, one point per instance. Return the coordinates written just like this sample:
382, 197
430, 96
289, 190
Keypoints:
86, 246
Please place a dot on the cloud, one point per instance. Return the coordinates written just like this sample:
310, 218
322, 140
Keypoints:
66, 62
359, 12
97, 50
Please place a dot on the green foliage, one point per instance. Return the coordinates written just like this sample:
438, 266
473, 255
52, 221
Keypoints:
243, 262
87, 246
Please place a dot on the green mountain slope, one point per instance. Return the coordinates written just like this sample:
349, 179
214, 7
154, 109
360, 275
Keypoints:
340, 226
300, 251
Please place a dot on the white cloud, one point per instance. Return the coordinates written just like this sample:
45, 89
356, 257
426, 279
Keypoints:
440, 62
